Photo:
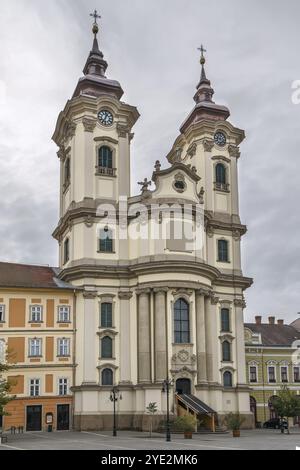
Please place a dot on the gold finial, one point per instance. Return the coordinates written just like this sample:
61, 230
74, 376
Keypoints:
202, 58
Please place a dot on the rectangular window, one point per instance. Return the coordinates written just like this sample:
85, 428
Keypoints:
36, 313
223, 255
63, 314
271, 374
225, 320
35, 388
2, 313
253, 374
106, 241
296, 374
284, 374
35, 347
63, 347
63, 387
106, 315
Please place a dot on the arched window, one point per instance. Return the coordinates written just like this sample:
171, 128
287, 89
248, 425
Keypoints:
181, 322
106, 241
66, 251
225, 320
106, 347
105, 157
221, 176
67, 171
106, 315
107, 377
226, 351
227, 379
223, 255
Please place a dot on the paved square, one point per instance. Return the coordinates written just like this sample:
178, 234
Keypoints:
130, 440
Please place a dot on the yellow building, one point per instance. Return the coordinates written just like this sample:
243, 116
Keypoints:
272, 360
37, 313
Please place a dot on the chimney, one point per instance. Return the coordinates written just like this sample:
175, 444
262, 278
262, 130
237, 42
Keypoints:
271, 320
258, 320
280, 322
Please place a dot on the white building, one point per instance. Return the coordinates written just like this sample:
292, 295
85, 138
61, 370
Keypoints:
153, 307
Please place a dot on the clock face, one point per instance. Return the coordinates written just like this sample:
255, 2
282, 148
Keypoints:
220, 139
105, 117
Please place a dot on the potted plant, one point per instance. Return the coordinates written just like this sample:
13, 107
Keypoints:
234, 422
186, 424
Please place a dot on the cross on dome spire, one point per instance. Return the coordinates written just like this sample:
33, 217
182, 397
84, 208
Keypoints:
204, 90
95, 16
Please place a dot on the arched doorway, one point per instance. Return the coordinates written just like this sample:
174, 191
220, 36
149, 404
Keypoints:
183, 387
253, 408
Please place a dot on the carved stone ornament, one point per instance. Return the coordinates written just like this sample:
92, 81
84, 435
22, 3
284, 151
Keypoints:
209, 231
191, 151
214, 299
89, 221
208, 145
234, 151
125, 295
90, 294
236, 235
183, 355
71, 130
122, 130
240, 303
177, 155
89, 124
179, 183
201, 195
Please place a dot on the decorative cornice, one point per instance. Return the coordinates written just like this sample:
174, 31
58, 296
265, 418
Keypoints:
182, 291
89, 124
106, 139
107, 332
221, 157
214, 300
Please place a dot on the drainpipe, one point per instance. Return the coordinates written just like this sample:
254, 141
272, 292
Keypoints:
74, 353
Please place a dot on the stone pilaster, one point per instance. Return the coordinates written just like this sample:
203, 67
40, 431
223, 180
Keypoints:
200, 336
144, 336
160, 334
125, 339
89, 356
240, 341
211, 338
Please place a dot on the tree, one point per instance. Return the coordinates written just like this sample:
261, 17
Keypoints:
152, 410
287, 404
5, 388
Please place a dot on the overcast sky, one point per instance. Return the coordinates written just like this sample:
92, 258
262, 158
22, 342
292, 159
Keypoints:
151, 48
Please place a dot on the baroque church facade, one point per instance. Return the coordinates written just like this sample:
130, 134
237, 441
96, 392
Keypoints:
152, 308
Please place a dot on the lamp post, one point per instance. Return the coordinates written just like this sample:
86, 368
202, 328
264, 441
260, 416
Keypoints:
115, 396
167, 384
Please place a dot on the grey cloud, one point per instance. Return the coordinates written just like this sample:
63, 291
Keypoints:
252, 61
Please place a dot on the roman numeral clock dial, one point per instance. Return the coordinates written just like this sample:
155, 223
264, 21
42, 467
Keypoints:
105, 118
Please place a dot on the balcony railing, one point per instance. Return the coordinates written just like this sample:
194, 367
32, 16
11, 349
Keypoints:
222, 187
105, 171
